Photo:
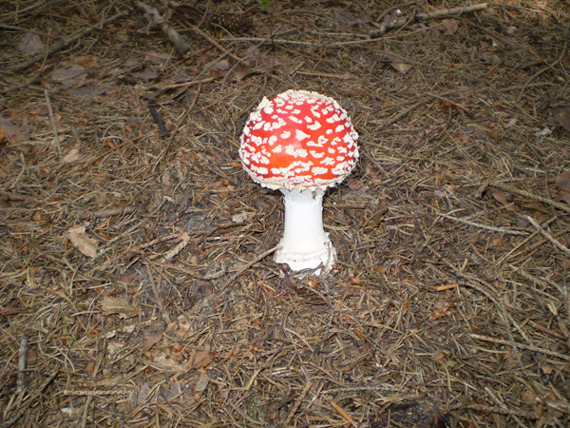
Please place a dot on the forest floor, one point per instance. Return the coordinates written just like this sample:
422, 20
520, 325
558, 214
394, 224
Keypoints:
137, 281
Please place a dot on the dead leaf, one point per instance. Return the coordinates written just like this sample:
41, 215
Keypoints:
450, 26
202, 358
544, 132
505, 199
151, 340
438, 356
69, 76
80, 240
218, 68
345, 17
563, 180
72, 156
90, 90
162, 361
139, 398
157, 57
259, 58
86, 61
30, 44
398, 63
561, 115
181, 326
202, 382
117, 305
147, 75
10, 132
546, 368
132, 62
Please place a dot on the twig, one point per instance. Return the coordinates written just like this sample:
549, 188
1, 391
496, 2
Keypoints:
499, 410
86, 411
155, 241
375, 36
547, 235
95, 393
187, 84
390, 25
162, 131
22, 363
53, 123
177, 40
521, 346
539, 198
109, 212
482, 226
217, 45
68, 41
298, 403
184, 241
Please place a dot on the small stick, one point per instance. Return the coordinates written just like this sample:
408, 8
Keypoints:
53, 123
298, 403
385, 27
482, 226
521, 346
555, 204
187, 84
109, 212
184, 241
217, 45
22, 363
95, 393
156, 241
499, 410
86, 411
162, 131
547, 235
177, 40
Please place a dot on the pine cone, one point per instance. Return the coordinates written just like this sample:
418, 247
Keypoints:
233, 22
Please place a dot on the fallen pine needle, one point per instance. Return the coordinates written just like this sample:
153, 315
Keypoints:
446, 287
342, 413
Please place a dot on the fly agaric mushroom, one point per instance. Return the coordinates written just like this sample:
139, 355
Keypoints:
300, 142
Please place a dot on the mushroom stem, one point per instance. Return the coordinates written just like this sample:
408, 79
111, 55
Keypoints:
305, 244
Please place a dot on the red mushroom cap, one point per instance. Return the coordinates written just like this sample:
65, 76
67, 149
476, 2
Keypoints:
298, 139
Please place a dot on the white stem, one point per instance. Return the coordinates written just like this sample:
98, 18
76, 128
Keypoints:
305, 245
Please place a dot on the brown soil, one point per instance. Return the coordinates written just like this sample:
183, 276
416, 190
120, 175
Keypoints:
137, 286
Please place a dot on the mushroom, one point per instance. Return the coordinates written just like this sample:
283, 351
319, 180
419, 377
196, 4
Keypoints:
301, 143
